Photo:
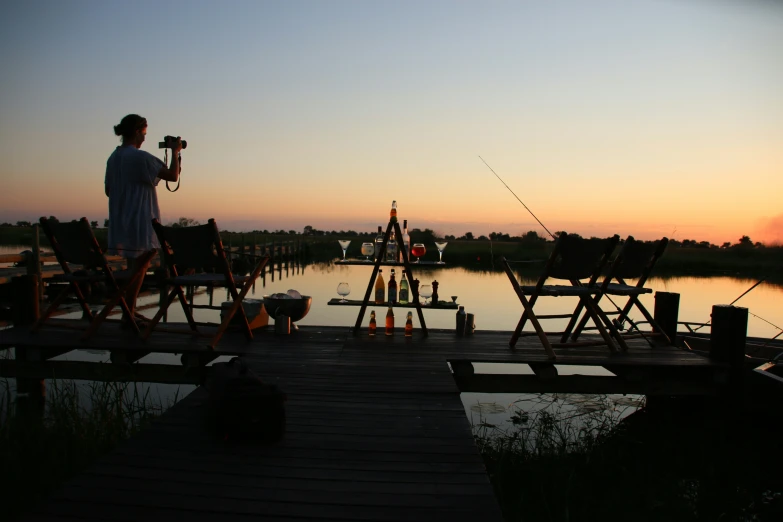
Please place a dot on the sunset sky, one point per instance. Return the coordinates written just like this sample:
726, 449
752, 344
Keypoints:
646, 117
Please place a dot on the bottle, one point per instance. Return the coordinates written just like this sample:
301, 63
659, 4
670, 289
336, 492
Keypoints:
392, 294
373, 325
415, 290
393, 213
403, 289
390, 321
380, 288
391, 248
461, 319
409, 325
378, 242
406, 239
435, 293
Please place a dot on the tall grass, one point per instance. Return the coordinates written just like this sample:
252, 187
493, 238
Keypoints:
80, 423
677, 464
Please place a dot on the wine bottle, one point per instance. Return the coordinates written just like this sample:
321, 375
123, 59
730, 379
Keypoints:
461, 320
392, 293
373, 325
404, 289
378, 242
391, 248
409, 325
435, 293
393, 212
380, 288
406, 239
390, 321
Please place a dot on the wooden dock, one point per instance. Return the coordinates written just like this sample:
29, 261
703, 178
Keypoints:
376, 429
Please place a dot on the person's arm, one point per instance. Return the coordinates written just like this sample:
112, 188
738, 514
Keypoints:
172, 172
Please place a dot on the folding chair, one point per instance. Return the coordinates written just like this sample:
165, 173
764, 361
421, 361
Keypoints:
74, 243
572, 259
635, 260
195, 257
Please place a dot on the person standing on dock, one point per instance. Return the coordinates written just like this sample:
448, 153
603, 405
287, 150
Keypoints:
132, 176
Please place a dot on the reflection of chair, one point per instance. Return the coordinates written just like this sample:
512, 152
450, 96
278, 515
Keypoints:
573, 259
188, 250
75, 243
635, 260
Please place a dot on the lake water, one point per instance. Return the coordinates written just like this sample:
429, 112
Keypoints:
491, 298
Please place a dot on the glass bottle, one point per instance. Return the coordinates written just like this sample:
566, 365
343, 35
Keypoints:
404, 289
391, 248
378, 242
461, 319
390, 321
409, 325
380, 288
373, 325
393, 212
406, 239
392, 293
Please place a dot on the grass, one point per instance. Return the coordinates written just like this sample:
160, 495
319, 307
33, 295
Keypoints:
689, 461
80, 424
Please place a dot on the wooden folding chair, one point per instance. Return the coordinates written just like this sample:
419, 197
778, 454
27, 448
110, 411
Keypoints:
74, 244
635, 260
572, 259
194, 256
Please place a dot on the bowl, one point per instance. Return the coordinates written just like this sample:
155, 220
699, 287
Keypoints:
295, 309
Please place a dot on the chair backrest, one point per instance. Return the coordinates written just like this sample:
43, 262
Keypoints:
637, 259
197, 247
575, 258
73, 242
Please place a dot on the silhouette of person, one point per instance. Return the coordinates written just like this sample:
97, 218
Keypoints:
132, 176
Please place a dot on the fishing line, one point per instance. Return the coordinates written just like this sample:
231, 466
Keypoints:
509, 189
734, 301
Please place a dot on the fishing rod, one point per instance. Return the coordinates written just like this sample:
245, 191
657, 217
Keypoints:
633, 324
509, 189
743, 294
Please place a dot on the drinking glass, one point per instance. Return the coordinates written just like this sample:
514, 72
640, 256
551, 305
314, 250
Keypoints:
368, 249
343, 289
454, 299
426, 292
441, 245
418, 250
344, 244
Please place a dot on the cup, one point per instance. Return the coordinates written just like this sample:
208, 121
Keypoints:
470, 324
282, 324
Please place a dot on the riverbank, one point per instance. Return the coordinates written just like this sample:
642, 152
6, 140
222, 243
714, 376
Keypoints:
688, 461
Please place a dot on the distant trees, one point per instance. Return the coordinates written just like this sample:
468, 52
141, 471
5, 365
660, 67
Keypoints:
93, 224
23, 224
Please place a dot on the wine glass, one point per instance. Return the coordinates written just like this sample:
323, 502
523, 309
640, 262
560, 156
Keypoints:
344, 244
454, 299
343, 289
368, 249
418, 250
441, 245
426, 292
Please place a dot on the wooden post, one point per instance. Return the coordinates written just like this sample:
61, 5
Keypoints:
31, 392
728, 335
666, 313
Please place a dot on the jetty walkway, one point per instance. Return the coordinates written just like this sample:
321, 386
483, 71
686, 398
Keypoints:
376, 429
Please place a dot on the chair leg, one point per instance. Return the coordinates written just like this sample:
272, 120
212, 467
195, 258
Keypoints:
161, 311
237, 307
52, 308
595, 315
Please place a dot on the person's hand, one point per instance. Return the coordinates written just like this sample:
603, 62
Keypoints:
177, 146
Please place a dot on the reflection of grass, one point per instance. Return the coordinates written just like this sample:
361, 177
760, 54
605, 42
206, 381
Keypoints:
677, 463
38, 454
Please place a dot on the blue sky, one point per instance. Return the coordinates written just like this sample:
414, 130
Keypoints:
649, 117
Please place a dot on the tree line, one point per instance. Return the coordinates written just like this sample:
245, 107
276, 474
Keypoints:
428, 234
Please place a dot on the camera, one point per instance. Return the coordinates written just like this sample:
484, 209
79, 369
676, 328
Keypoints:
169, 141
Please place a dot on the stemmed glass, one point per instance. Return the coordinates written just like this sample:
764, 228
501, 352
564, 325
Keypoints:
426, 292
368, 249
343, 289
344, 244
454, 299
441, 245
418, 250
